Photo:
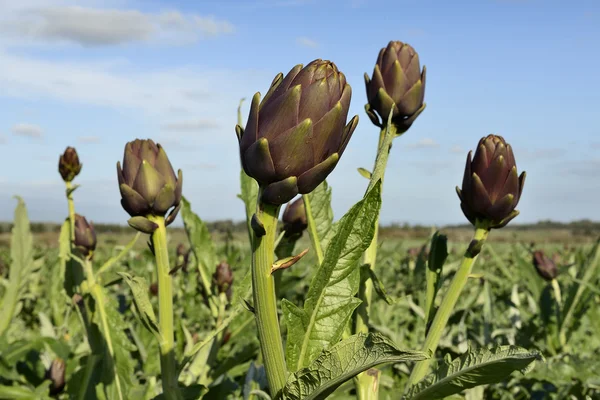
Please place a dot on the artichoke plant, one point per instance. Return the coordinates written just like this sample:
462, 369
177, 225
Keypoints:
223, 279
294, 218
148, 184
85, 235
397, 86
491, 187
544, 266
69, 165
296, 135
56, 375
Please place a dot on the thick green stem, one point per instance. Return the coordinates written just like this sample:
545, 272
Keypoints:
71, 209
98, 294
265, 301
443, 313
367, 383
312, 229
168, 365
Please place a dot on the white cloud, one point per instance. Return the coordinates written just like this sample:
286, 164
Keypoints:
3, 139
28, 130
88, 139
426, 143
191, 126
103, 27
307, 42
456, 149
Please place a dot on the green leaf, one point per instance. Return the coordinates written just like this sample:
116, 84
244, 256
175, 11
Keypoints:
145, 311
320, 203
477, 367
113, 260
330, 300
377, 284
21, 253
17, 393
437, 257
364, 173
343, 361
201, 243
249, 193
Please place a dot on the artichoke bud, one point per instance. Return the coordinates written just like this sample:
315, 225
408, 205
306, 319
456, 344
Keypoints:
56, 375
69, 165
296, 135
294, 219
223, 279
148, 184
85, 235
491, 187
544, 266
397, 86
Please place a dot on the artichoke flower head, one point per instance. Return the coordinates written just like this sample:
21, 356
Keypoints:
296, 135
148, 184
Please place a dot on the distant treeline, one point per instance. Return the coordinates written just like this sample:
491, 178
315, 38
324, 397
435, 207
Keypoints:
582, 227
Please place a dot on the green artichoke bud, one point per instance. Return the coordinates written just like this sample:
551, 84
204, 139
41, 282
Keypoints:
85, 235
544, 266
148, 184
69, 165
223, 279
397, 86
294, 218
296, 135
491, 187
56, 375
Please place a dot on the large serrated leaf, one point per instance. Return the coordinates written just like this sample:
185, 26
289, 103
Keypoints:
330, 300
342, 362
141, 300
201, 242
322, 213
476, 367
21, 254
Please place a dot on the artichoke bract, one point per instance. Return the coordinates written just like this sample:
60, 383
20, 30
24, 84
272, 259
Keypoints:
294, 218
148, 184
68, 164
544, 266
397, 86
85, 235
296, 135
491, 187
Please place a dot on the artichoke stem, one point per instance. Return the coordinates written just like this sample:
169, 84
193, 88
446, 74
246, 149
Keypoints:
443, 313
168, 365
265, 301
367, 383
71, 210
312, 229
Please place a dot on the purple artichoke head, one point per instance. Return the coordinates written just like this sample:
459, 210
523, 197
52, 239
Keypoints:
69, 165
296, 135
491, 187
544, 266
294, 218
148, 184
85, 235
397, 86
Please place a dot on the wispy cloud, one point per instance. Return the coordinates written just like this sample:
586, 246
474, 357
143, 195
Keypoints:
456, 149
3, 138
191, 126
88, 139
307, 42
425, 143
104, 27
28, 130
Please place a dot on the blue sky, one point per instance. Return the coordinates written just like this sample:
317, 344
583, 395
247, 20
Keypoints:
95, 75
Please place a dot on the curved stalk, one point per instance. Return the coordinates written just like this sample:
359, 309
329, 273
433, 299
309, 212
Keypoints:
443, 313
367, 383
168, 365
71, 209
312, 229
265, 301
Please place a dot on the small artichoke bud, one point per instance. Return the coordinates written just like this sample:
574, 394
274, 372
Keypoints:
294, 218
56, 375
148, 184
223, 279
397, 86
69, 165
85, 235
544, 266
491, 187
154, 289
296, 135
